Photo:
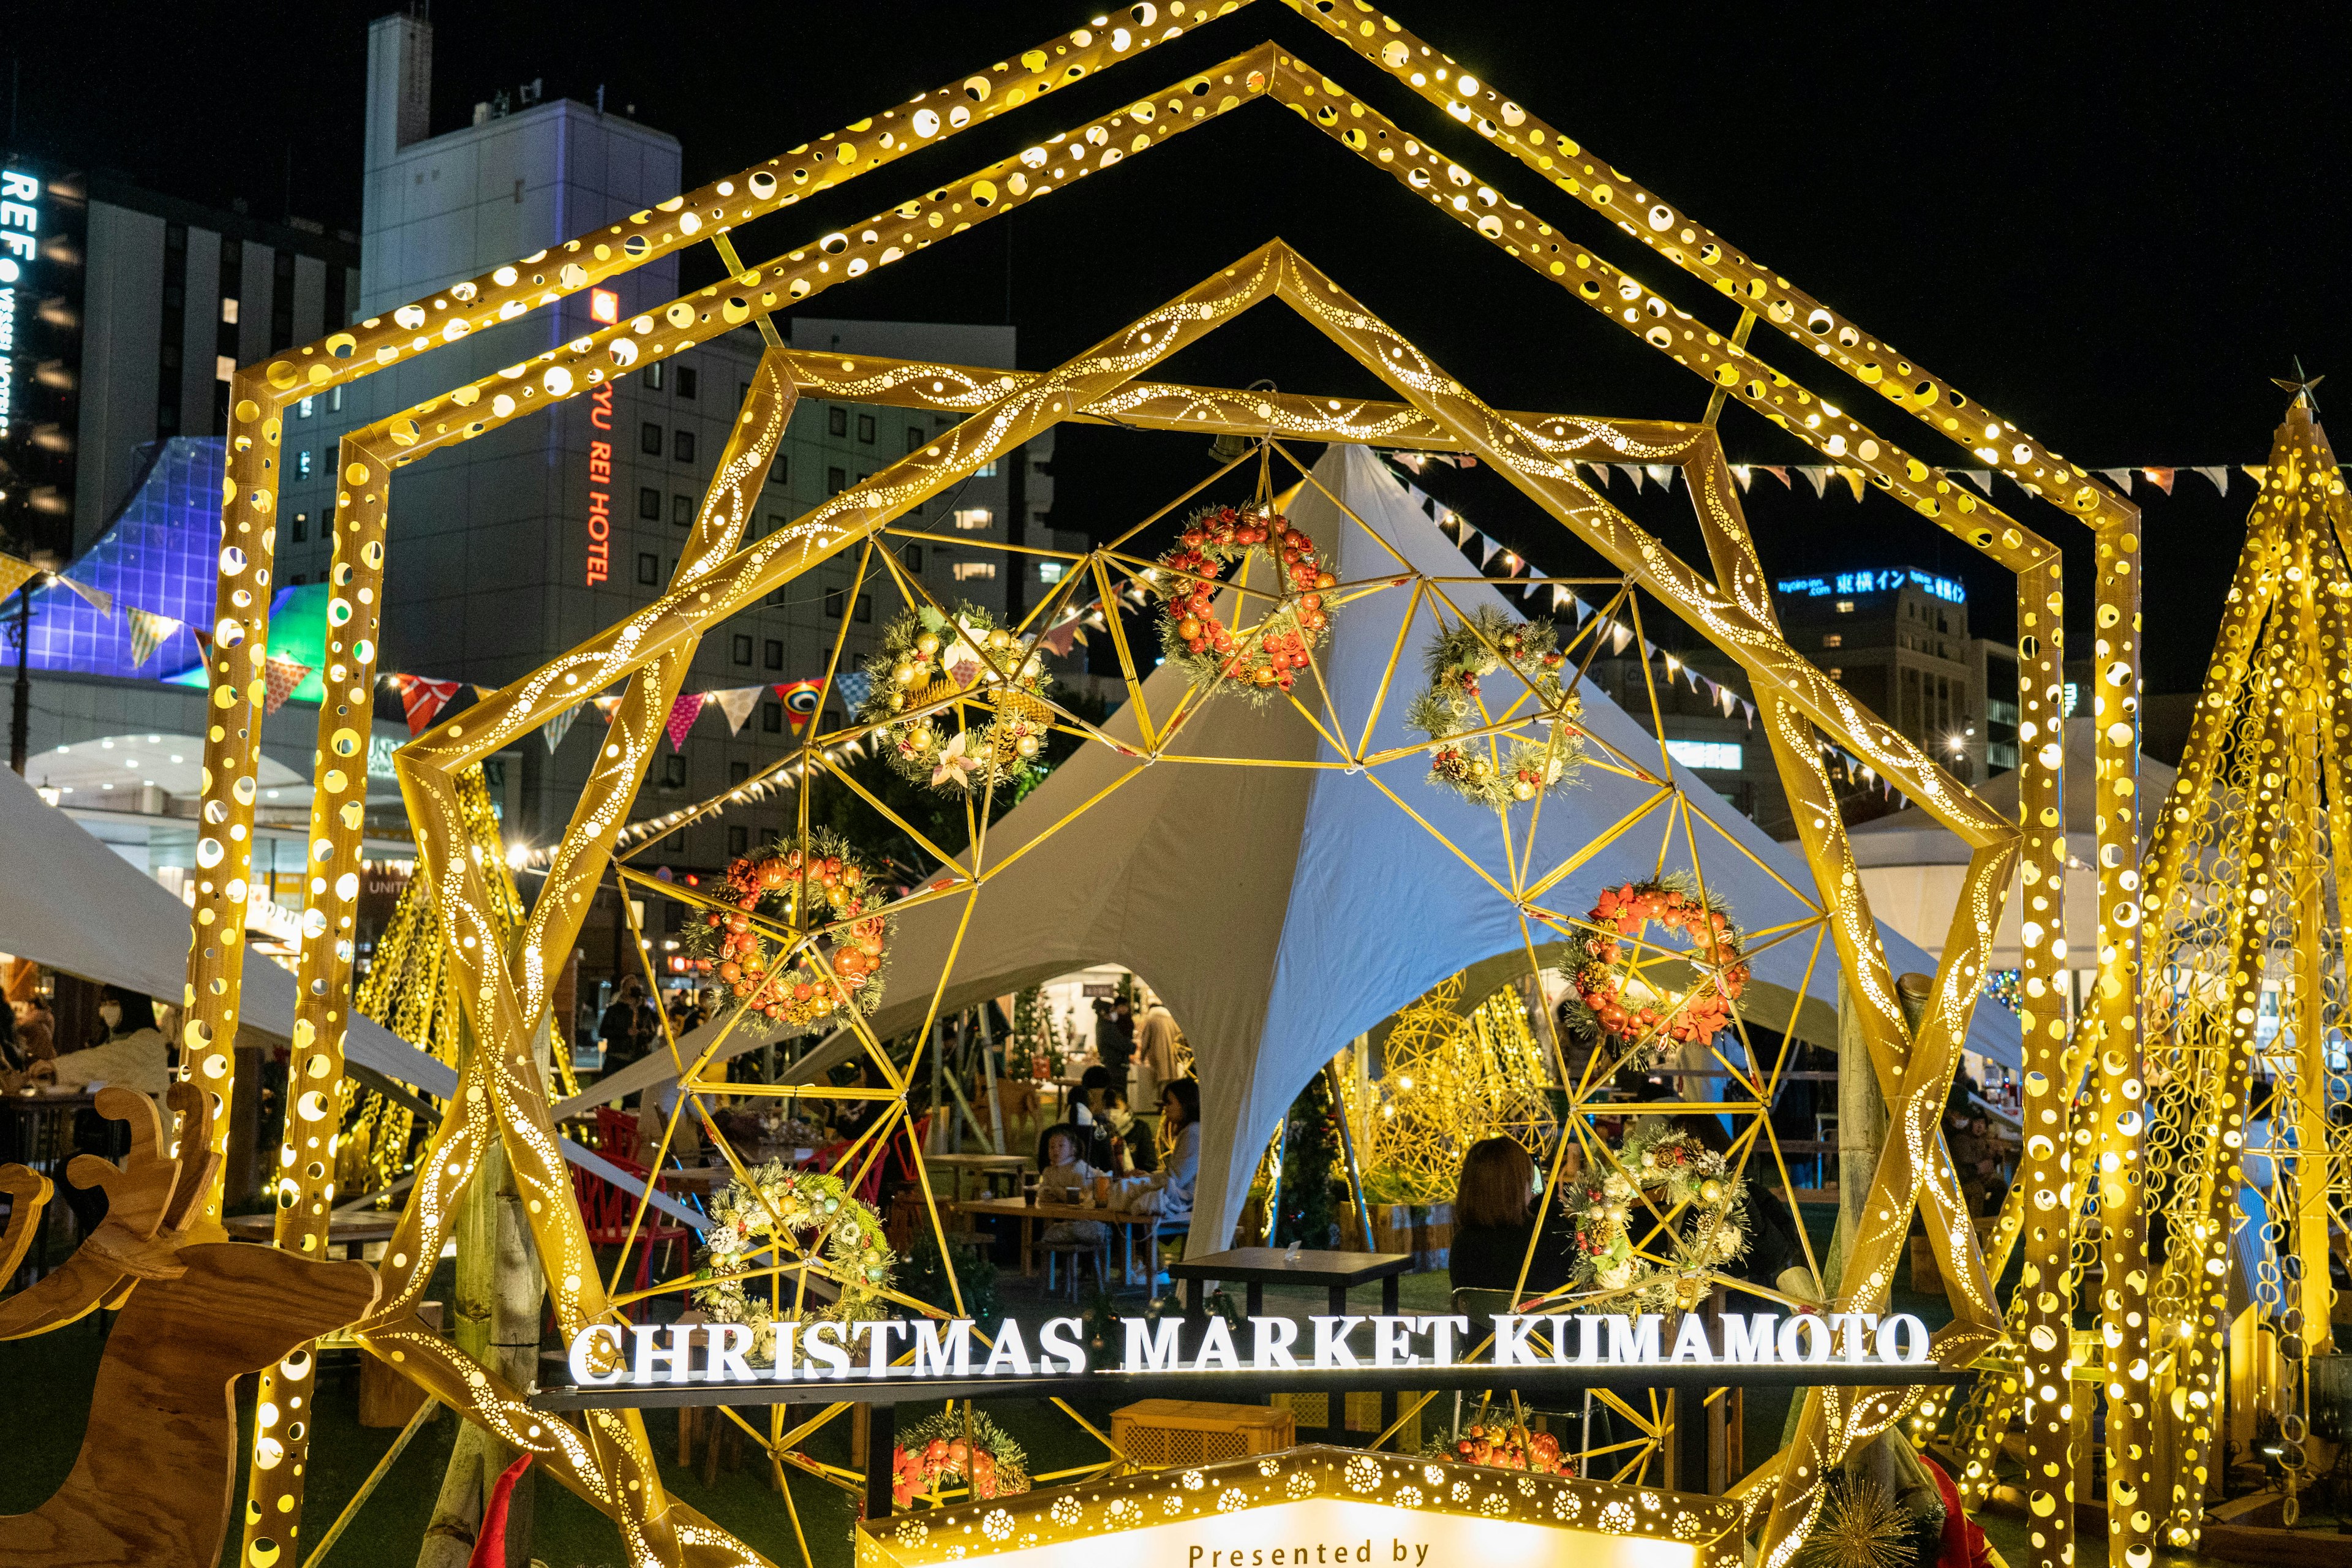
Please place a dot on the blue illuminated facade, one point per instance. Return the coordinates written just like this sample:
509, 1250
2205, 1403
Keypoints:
155, 555
1846, 583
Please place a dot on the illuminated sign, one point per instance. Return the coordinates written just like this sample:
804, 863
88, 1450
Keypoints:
1722, 756
604, 305
1943, 588
20, 224
600, 487
601, 1357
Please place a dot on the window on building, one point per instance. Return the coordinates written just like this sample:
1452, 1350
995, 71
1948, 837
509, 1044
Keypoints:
1719, 756
1836, 673
835, 599
986, 470
971, 517
649, 439
779, 472
334, 400
649, 503
302, 464
304, 409
301, 526
1050, 570
674, 769
676, 842
300, 578
1845, 606
681, 510
772, 718
836, 420
685, 381
682, 446
224, 367
739, 839
866, 429
654, 373
864, 612
738, 772
648, 569
741, 649
773, 653
742, 393
229, 313
915, 437
835, 482
971, 571
913, 556
1833, 639
775, 600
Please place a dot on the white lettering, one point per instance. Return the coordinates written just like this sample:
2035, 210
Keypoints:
825, 1349
1890, 1350
1851, 1327
1441, 1331
878, 1332
1392, 1341
1634, 1340
1058, 1337
1748, 1339
1152, 1347
1331, 1342
1217, 1341
22, 187
940, 1350
584, 1346
1690, 1342
787, 1364
1010, 1352
1511, 1339
1587, 1338
1817, 1350
731, 1346
674, 1360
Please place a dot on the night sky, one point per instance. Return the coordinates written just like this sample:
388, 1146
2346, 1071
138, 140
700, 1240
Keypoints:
2113, 225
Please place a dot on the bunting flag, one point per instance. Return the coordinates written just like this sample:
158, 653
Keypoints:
1981, 478
280, 674
681, 717
2220, 477
608, 705
1819, 478
1634, 472
854, 686
1494, 547
147, 631
484, 693
422, 699
2160, 478
1779, 471
1853, 479
100, 599
737, 702
1662, 475
2119, 478
1601, 472
1062, 638
1745, 474
15, 574
802, 698
555, 729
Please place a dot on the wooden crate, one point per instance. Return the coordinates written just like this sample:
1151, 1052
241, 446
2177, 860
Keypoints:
1157, 1433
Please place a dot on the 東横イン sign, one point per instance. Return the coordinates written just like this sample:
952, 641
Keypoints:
602, 1357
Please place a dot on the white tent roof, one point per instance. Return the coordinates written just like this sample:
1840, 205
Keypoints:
69, 902
1282, 911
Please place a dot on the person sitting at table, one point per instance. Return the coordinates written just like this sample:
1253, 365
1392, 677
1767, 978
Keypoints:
1087, 1115
1168, 1192
36, 1029
1496, 1213
133, 1055
1064, 1178
1135, 1143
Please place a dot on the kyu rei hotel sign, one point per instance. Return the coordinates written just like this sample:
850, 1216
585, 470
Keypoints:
602, 1357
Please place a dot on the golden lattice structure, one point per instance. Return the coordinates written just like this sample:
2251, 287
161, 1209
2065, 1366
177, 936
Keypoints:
504, 987
1449, 1078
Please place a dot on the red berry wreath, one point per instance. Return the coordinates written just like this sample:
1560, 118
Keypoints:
1713, 948
1268, 655
838, 886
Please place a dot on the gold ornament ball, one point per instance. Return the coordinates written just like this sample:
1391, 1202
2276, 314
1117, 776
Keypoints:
1522, 790
1481, 769
1710, 1192
1027, 746
927, 645
921, 739
906, 674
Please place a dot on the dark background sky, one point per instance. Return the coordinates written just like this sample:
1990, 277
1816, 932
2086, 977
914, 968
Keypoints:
2111, 225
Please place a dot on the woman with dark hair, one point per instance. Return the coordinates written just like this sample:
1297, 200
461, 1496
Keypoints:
1089, 1114
1495, 1215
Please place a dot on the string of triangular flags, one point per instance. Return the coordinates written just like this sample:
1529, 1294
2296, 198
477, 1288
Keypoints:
423, 698
1820, 475
1620, 635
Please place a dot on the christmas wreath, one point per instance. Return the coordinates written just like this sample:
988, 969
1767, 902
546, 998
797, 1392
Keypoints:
957, 1446
925, 664
1499, 768
1617, 1001
1506, 1448
779, 1200
830, 884
1260, 659
1670, 1170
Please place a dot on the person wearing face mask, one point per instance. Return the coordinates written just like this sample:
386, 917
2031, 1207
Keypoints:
133, 1054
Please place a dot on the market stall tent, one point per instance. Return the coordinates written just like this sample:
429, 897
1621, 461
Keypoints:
1282, 909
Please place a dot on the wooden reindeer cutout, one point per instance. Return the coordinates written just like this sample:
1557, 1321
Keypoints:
157, 1471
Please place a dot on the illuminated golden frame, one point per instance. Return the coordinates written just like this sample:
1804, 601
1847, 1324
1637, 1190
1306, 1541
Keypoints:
1741, 608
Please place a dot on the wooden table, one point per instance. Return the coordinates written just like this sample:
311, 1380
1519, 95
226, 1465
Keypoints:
1029, 1213
344, 1230
1336, 1272
984, 1166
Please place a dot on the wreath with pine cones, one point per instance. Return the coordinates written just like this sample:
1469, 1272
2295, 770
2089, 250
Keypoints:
1616, 1002
833, 887
928, 669
1661, 1168
1500, 767
1260, 659
778, 1201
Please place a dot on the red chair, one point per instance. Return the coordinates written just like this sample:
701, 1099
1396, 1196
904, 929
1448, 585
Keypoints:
605, 1210
617, 1133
